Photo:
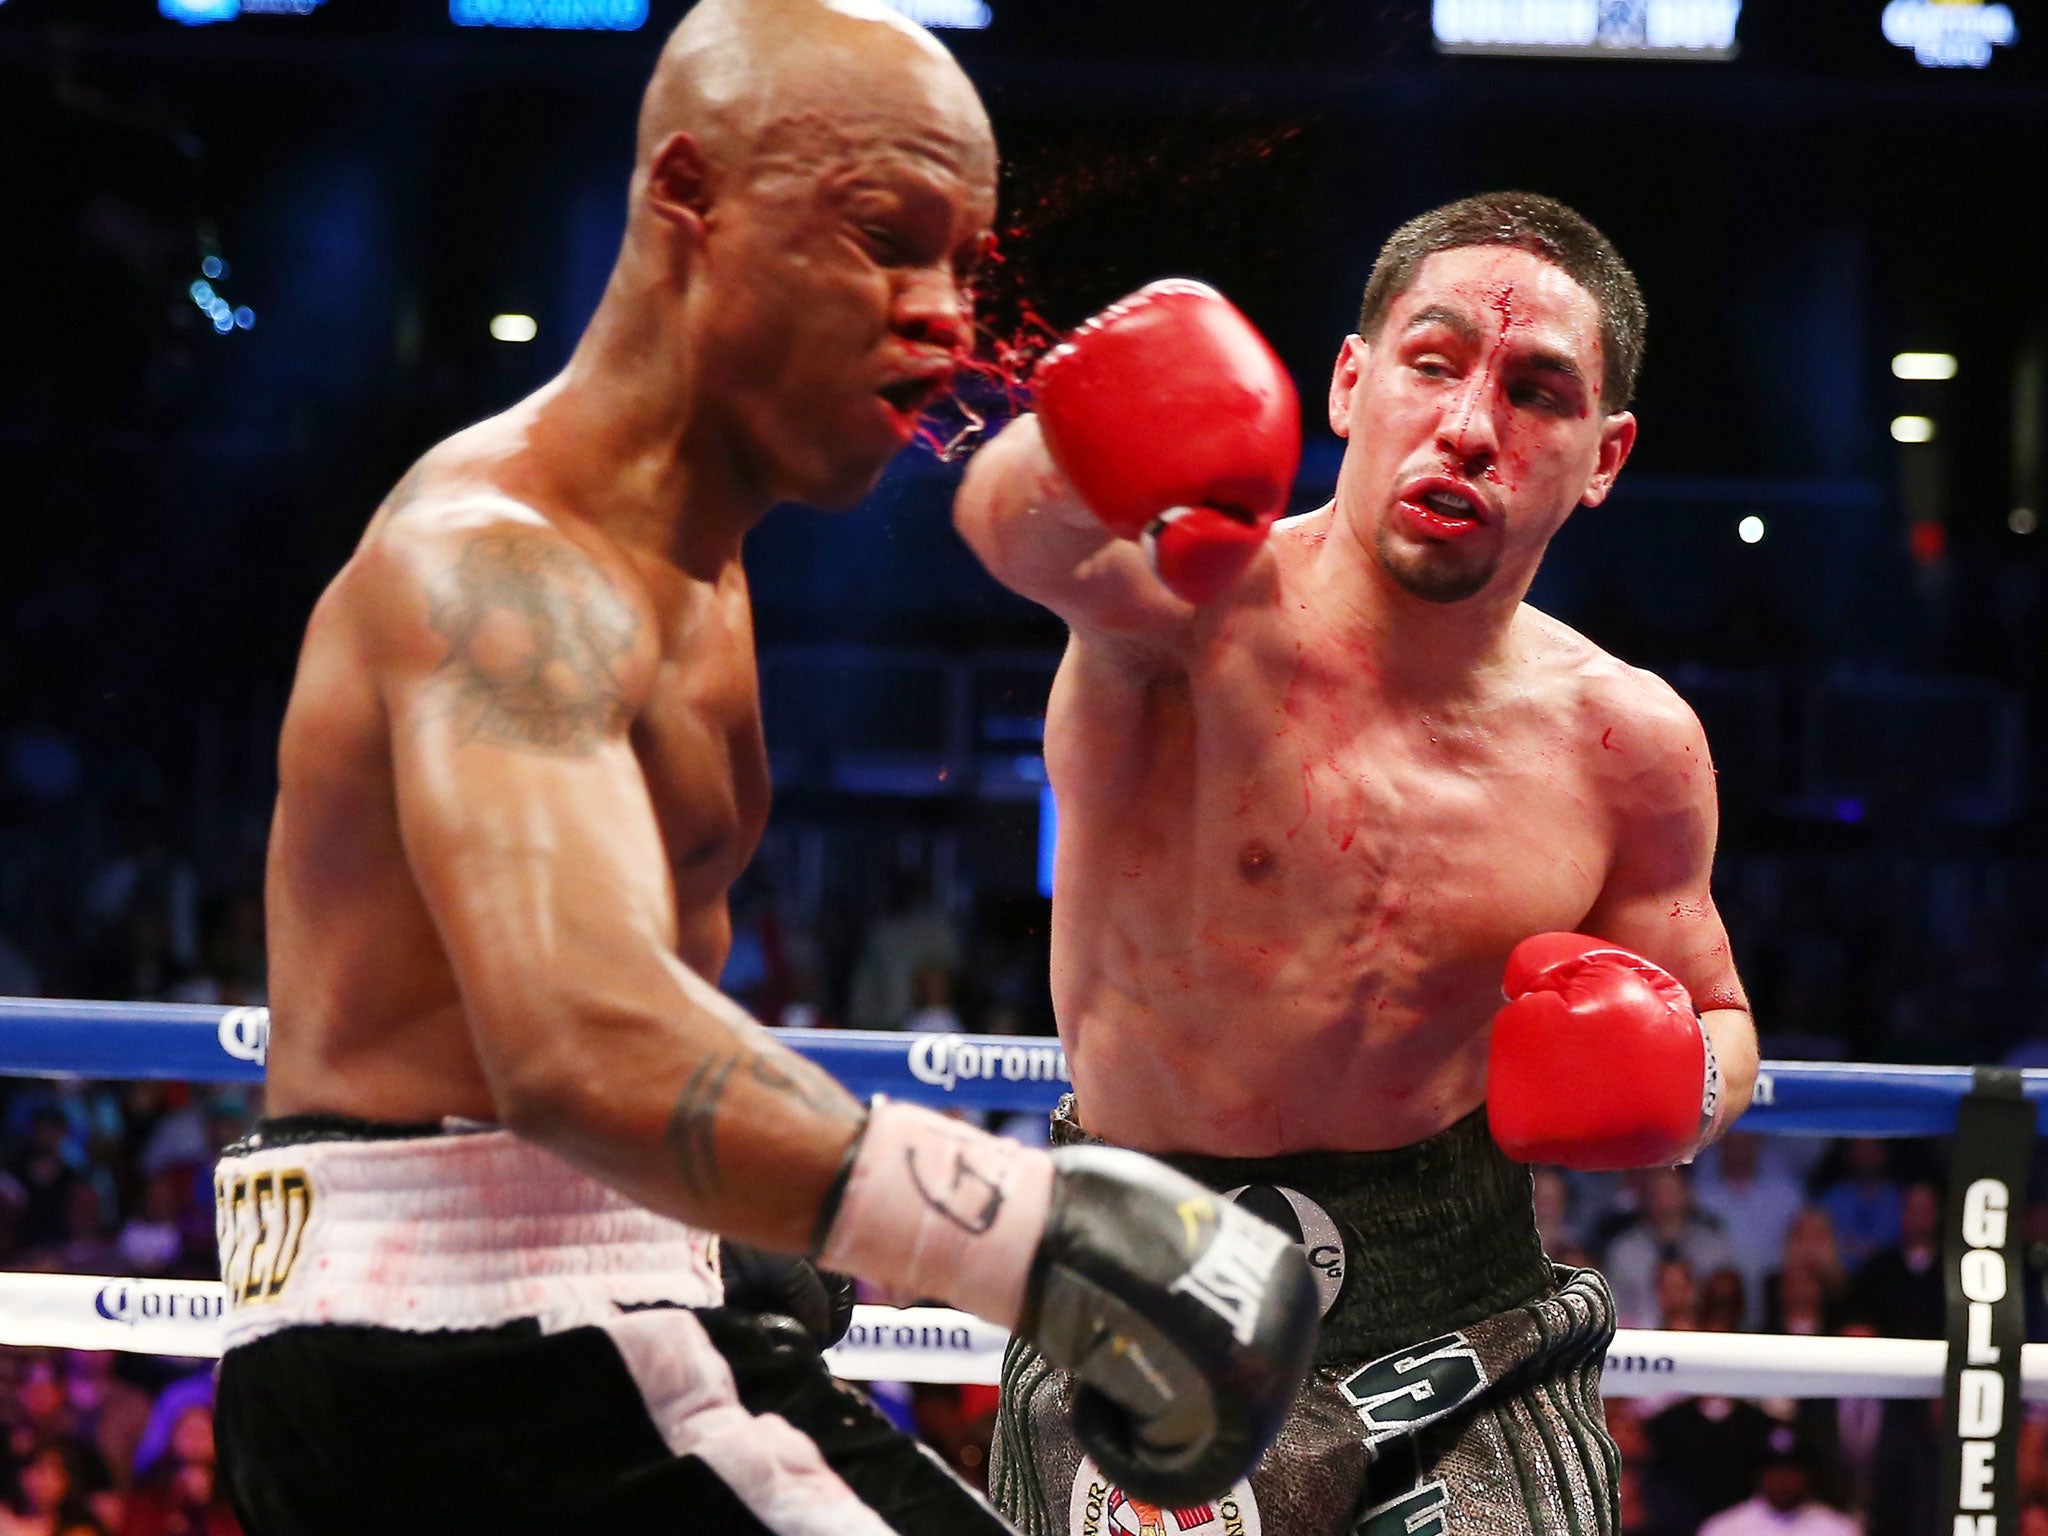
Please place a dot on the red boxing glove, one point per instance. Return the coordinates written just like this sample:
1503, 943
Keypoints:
1177, 425
1599, 1059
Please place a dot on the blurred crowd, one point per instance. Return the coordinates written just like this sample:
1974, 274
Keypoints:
110, 1179
1785, 1236
1776, 1235
1849, 955
104, 1445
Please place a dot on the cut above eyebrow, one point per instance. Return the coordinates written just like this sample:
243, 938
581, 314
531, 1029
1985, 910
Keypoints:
1450, 319
1461, 325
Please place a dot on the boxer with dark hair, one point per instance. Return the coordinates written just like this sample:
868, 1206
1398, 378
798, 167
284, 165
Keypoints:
1328, 788
471, 1266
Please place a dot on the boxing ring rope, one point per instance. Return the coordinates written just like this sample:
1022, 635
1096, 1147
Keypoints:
201, 1043
936, 1344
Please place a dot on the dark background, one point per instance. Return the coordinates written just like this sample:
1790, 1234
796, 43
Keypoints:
380, 183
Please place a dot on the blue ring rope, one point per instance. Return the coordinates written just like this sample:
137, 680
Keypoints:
189, 1042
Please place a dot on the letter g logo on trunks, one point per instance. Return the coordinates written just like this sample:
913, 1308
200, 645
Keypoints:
1312, 1228
1100, 1508
1399, 1393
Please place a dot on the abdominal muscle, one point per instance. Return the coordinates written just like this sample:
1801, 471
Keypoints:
1273, 934
1227, 1051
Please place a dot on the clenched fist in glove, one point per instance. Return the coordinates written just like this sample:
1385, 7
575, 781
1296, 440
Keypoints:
758, 1280
1178, 426
1189, 1322
1599, 1059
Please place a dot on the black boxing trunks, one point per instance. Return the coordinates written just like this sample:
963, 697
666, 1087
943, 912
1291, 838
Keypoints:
1457, 1384
449, 1330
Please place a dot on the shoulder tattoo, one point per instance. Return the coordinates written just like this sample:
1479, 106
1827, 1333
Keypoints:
535, 635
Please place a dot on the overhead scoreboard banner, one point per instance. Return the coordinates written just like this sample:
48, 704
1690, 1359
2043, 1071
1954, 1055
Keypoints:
1668, 29
536, 15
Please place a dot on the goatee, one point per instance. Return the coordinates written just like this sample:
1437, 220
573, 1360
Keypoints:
1437, 580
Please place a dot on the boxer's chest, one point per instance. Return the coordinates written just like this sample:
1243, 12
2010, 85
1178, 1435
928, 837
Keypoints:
700, 745
1413, 845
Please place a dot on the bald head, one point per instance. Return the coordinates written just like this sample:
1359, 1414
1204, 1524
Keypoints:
760, 78
814, 189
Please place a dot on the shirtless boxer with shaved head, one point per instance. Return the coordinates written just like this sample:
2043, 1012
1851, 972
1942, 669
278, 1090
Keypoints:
1315, 824
471, 1268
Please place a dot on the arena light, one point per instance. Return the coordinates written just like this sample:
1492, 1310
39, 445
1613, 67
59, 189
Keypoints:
223, 316
198, 13
1673, 29
551, 15
1048, 838
1912, 429
1750, 530
1927, 540
2023, 520
1949, 34
513, 328
969, 15
1924, 365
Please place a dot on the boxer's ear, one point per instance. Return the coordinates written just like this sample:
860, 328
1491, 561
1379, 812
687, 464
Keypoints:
1343, 381
1617, 437
680, 184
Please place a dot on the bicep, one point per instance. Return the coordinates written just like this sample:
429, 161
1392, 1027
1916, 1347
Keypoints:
1658, 896
1659, 903
527, 860
524, 812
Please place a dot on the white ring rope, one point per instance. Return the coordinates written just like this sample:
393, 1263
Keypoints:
934, 1344
206, 1044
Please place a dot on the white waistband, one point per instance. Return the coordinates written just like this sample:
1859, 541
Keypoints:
425, 1233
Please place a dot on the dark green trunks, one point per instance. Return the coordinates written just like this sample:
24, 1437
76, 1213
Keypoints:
1458, 1379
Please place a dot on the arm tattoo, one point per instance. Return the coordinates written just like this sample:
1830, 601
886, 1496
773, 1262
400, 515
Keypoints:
534, 632
692, 1124
809, 1084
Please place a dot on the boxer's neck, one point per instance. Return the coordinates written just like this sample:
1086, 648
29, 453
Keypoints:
622, 427
1420, 650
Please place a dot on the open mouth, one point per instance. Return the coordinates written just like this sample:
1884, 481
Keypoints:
1449, 505
911, 397
1436, 508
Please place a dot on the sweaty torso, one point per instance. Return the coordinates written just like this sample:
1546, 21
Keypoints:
1284, 895
367, 1017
